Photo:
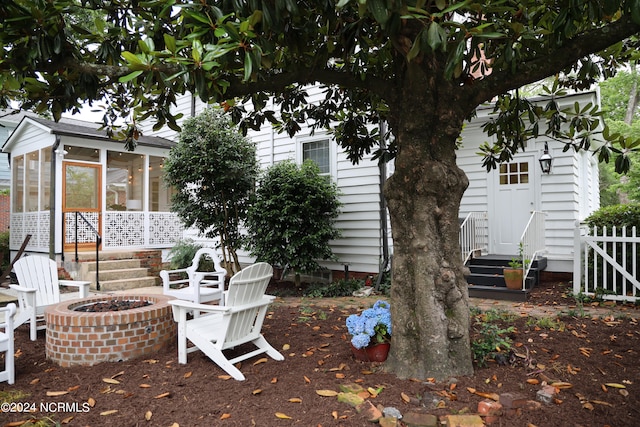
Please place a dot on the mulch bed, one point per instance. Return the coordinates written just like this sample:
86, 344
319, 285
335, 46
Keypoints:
596, 357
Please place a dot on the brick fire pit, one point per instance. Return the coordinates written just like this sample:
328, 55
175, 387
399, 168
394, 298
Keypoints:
76, 338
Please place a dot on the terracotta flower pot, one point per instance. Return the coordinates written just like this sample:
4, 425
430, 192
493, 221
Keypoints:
373, 353
513, 278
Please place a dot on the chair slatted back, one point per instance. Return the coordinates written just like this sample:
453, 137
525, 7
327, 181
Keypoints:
245, 287
40, 273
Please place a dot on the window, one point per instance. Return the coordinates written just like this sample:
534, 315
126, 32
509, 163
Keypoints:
125, 178
319, 152
514, 173
45, 179
31, 183
159, 194
18, 184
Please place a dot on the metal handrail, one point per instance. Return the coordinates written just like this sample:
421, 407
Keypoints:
98, 242
532, 242
473, 235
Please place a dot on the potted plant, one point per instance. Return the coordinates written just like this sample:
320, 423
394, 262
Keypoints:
371, 332
514, 274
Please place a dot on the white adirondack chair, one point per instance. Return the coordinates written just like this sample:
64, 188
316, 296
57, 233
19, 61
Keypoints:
6, 343
202, 286
238, 322
38, 286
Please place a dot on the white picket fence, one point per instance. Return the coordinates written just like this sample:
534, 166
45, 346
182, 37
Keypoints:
606, 262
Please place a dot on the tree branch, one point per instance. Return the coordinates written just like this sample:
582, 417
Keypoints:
547, 64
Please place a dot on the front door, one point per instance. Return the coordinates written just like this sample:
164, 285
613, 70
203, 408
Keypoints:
81, 193
513, 202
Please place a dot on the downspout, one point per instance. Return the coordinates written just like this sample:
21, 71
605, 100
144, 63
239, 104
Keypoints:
52, 202
382, 168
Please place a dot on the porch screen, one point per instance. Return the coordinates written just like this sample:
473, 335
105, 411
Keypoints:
125, 179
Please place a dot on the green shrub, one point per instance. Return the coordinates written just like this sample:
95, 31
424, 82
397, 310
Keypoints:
491, 339
182, 253
340, 288
615, 215
4, 249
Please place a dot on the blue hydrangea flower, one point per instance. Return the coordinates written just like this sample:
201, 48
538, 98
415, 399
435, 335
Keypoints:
372, 326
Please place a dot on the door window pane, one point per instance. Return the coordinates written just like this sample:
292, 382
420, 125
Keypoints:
514, 173
17, 195
82, 187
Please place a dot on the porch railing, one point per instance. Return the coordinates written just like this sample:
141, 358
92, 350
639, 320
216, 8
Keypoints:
532, 242
474, 235
606, 262
98, 241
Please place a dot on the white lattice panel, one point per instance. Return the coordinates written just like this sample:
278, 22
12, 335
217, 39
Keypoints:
123, 229
165, 229
85, 233
34, 223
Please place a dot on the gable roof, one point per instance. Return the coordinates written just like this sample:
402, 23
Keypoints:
81, 129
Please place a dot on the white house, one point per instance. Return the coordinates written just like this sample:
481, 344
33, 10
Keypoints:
130, 209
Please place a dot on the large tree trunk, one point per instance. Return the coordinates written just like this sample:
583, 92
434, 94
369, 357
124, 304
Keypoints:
429, 296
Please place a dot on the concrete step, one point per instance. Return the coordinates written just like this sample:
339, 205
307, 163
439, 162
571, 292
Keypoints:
125, 273
118, 264
125, 284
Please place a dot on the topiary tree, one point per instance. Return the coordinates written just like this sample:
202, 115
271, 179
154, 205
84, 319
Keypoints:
292, 219
214, 170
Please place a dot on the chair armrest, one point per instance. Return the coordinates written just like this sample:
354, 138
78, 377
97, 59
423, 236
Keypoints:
83, 286
19, 288
179, 303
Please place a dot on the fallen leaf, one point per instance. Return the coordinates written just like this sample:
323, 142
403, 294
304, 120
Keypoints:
74, 388
225, 416
110, 381
118, 374
334, 414
56, 393
286, 347
306, 379
66, 420
160, 396
148, 415
91, 401
615, 385
188, 374
150, 361
274, 380
587, 405
35, 381
256, 391
259, 361
600, 402
282, 416
110, 412
327, 393
533, 381
340, 376
561, 385
295, 400
225, 377
144, 386
623, 392
405, 398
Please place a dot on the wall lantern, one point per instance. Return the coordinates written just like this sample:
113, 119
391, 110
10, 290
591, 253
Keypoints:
545, 160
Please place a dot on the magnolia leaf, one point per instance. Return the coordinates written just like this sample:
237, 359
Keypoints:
110, 412
110, 381
160, 396
150, 361
34, 381
66, 420
286, 347
144, 386
225, 416
614, 385
148, 415
118, 374
225, 377
256, 391
274, 380
306, 379
56, 393
74, 388
282, 416
91, 401
405, 398
188, 374
327, 393
295, 400
261, 360
561, 385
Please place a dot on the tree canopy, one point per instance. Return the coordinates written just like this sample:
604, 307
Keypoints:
422, 66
